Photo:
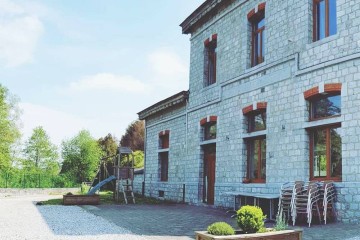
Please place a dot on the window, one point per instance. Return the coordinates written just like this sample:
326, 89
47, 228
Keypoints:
164, 166
325, 140
257, 121
208, 128
210, 131
210, 60
323, 106
257, 21
324, 13
163, 155
257, 159
326, 157
256, 146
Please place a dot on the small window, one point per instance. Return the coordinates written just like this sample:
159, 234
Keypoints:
209, 131
326, 153
164, 141
257, 121
258, 38
324, 19
324, 106
164, 166
210, 61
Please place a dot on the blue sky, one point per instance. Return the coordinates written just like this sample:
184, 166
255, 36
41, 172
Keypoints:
92, 64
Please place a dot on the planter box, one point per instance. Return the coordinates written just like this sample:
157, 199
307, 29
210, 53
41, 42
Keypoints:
282, 235
81, 199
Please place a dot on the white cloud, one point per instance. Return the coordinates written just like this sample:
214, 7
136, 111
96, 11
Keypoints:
167, 63
19, 33
59, 125
168, 71
108, 82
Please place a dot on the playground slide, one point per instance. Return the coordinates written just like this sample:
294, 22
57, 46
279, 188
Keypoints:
100, 184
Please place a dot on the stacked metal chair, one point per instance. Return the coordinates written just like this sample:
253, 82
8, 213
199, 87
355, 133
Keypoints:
288, 192
306, 202
329, 196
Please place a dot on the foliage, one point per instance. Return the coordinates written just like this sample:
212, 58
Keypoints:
84, 188
134, 136
220, 229
138, 160
250, 219
108, 145
81, 156
9, 132
281, 223
41, 153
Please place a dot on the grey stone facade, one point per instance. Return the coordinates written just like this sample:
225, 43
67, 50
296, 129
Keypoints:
293, 64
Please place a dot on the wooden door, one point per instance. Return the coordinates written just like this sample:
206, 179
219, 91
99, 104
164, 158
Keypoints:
209, 174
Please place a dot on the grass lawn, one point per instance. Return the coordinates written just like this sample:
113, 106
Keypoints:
107, 198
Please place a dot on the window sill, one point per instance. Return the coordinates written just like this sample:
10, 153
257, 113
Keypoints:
255, 134
208, 142
322, 122
163, 150
209, 87
256, 67
322, 41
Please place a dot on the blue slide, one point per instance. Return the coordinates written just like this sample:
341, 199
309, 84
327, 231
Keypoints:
100, 184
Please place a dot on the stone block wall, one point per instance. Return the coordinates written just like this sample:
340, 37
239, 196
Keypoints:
293, 64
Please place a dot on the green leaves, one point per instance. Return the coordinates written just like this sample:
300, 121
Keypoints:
41, 154
81, 156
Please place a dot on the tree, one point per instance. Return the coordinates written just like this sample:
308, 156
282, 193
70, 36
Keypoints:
81, 156
134, 136
108, 145
9, 132
41, 153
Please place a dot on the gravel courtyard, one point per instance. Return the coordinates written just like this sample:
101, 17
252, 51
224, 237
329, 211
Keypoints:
20, 218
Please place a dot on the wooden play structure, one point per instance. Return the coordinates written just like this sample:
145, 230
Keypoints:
120, 168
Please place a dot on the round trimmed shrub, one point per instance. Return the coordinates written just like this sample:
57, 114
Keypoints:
250, 219
220, 229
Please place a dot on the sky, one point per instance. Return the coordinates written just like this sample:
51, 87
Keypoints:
91, 64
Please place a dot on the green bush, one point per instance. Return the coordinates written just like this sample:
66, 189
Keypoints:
281, 223
220, 229
250, 219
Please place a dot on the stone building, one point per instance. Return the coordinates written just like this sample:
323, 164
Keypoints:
274, 96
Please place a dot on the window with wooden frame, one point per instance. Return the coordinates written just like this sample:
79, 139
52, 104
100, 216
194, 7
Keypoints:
325, 105
256, 146
324, 19
164, 139
325, 140
257, 21
210, 46
326, 153
164, 166
256, 120
209, 131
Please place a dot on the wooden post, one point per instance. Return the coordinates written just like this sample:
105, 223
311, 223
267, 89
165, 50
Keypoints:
143, 189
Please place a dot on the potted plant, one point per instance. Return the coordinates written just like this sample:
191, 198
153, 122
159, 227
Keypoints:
251, 221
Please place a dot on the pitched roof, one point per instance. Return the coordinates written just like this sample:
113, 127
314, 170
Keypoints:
176, 99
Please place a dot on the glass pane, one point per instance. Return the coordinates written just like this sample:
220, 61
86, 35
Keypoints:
261, 23
332, 17
210, 131
336, 159
319, 156
326, 107
320, 20
257, 122
263, 159
254, 159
